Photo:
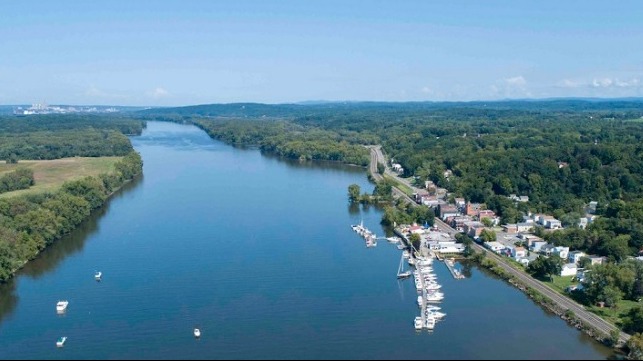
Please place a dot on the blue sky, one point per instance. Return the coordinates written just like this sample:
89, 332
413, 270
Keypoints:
194, 52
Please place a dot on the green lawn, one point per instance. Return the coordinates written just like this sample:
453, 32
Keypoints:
612, 314
404, 188
49, 175
561, 283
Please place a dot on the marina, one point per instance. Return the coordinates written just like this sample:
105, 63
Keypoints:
369, 237
424, 278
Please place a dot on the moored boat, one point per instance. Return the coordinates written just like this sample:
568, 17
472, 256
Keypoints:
61, 306
61, 341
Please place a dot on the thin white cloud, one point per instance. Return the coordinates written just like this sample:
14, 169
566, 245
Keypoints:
426, 90
516, 81
602, 82
567, 83
94, 92
634, 82
615, 82
158, 93
512, 87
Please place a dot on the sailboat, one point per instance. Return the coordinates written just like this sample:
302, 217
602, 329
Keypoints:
400, 273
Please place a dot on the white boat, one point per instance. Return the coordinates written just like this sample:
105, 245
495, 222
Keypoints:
98, 275
61, 306
401, 247
61, 341
393, 239
436, 314
197, 333
406, 254
418, 323
400, 268
430, 323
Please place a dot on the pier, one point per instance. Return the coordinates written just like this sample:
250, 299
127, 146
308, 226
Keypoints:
451, 266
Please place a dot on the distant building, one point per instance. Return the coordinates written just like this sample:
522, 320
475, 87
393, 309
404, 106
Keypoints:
591, 207
569, 269
472, 209
516, 198
562, 252
575, 256
536, 246
494, 246
518, 227
448, 210
486, 213
596, 260
473, 229
460, 203
519, 252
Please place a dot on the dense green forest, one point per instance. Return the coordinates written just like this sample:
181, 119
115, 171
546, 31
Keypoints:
287, 139
561, 153
30, 223
56, 136
56, 122
21, 178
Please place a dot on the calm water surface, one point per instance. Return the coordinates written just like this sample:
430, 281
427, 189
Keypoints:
257, 253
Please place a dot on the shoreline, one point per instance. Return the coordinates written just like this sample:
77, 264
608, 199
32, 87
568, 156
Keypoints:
107, 199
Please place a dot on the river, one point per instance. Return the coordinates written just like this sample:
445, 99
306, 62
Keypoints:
257, 252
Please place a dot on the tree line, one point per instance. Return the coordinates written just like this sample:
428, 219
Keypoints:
46, 137
29, 223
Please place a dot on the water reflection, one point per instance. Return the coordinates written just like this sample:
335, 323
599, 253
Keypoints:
57, 252
8, 298
315, 164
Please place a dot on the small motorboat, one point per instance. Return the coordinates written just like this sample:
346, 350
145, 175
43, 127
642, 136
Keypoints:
61, 341
61, 306
98, 275
418, 323
197, 333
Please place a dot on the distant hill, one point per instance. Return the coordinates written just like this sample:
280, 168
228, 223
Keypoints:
255, 110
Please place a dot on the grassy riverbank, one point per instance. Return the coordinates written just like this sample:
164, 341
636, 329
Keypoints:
50, 175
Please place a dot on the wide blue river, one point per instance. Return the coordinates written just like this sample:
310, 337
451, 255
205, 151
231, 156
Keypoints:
257, 252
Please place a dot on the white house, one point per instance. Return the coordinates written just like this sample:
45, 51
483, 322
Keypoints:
569, 269
536, 246
562, 252
596, 260
494, 246
553, 223
575, 256
519, 252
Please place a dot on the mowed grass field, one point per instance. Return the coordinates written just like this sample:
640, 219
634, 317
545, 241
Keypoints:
49, 175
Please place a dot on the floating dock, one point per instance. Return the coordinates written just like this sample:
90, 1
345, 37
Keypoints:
451, 266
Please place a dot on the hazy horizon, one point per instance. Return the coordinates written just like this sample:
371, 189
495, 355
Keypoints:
175, 53
314, 102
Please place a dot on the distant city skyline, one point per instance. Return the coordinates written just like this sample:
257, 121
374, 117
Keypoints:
175, 53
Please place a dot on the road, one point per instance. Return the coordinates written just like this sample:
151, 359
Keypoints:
562, 301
